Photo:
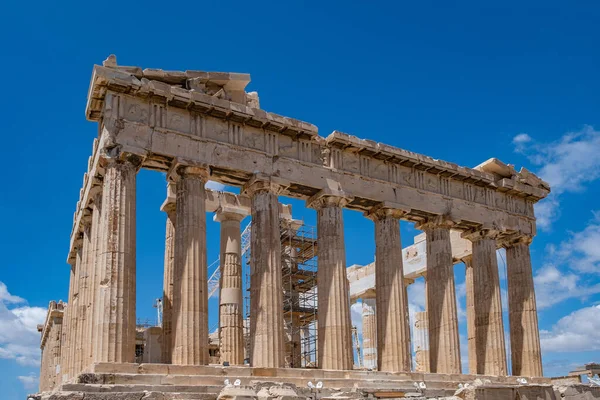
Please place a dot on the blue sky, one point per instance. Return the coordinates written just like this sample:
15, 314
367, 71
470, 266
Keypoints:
461, 83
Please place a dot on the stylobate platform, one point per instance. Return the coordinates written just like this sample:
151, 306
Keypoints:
209, 380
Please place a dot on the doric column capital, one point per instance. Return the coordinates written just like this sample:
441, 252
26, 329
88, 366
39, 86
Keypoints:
480, 233
86, 219
516, 239
184, 169
110, 155
328, 198
225, 213
468, 260
170, 202
386, 210
261, 183
439, 221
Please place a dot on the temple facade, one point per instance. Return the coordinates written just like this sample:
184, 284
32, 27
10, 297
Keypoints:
197, 126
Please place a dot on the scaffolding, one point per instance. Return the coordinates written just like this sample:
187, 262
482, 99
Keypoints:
299, 281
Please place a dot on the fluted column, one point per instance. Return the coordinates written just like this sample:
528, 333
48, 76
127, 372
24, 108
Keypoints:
421, 342
168, 207
334, 326
523, 320
190, 286
81, 339
57, 348
74, 315
369, 333
291, 299
444, 344
115, 309
93, 278
471, 341
393, 330
65, 336
489, 329
231, 319
267, 347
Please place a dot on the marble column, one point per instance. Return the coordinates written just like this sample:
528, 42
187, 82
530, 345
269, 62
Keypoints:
334, 326
168, 207
231, 319
489, 329
444, 344
393, 330
81, 338
421, 342
523, 320
267, 348
93, 279
369, 334
471, 341
190, 286
114, 317
306, 344
66, 342
294, 344
57, 349
74, 315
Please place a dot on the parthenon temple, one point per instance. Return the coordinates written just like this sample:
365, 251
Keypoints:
197, 126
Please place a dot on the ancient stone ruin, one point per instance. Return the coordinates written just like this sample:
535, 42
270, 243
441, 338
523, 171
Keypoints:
196, 126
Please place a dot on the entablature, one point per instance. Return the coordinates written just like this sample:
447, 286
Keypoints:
162, 119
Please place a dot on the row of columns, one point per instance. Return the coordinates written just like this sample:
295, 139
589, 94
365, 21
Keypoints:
99, 321
485, 328
105, 302
436, 331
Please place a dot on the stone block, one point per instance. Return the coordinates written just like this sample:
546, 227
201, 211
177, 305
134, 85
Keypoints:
237, 393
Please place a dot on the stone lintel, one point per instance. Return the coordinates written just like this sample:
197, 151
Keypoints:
226, 202
226, 213
105, 79
293, 224
170, 202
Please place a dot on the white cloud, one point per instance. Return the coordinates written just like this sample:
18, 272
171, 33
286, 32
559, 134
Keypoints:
30, 382
212, 185
566, 164
461, 292
547, 211
581, 251
522, 138
7, 297
520, 141
578, 331
416, 296
356, 316
19, 338
553, 286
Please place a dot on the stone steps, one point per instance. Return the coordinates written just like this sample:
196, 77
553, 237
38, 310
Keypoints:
304, 374
117, 388
218, 381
